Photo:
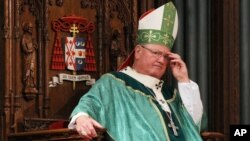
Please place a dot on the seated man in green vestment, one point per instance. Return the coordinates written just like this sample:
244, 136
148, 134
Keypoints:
134, 103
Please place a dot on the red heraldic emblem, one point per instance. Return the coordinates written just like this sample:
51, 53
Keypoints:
74, 52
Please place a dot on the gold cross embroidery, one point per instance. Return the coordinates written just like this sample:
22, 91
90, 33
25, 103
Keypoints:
168, 20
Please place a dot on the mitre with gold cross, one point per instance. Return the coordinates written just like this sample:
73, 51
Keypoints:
159, 26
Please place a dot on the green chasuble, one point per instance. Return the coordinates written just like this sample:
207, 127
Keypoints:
129, 112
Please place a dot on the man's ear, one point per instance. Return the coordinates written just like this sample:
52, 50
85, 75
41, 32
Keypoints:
137, 51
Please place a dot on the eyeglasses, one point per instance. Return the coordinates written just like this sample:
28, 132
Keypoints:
156, 54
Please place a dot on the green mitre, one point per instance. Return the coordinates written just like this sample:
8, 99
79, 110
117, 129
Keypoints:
159, 26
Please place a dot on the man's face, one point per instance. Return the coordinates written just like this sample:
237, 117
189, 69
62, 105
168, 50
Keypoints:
151, 59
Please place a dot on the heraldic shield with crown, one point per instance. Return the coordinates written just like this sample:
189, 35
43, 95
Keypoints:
73, 53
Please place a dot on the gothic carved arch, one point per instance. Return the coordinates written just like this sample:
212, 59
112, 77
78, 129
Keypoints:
113, 6
123, 7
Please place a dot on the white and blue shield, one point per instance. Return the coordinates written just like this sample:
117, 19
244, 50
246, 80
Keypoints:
74, 52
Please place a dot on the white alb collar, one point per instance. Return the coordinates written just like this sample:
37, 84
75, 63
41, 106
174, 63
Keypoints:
148, 81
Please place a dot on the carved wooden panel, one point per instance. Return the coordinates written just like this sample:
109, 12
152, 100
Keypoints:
29, 40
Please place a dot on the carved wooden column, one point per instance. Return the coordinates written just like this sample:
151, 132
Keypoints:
16, 68
8, 47
100, 29
43, 40
6, 101
132, 33
42, 37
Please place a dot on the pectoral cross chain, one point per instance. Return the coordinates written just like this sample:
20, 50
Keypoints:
165, 107
174, 128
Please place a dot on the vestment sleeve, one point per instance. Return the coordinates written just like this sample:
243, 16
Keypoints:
190, 95
91, 103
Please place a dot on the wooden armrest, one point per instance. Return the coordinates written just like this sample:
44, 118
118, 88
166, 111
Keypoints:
51, 135
212, 135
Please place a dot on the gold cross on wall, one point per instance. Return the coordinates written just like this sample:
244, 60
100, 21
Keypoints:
74, 30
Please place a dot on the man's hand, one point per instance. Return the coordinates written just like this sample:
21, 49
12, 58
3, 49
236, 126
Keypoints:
86, 127
178, 67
